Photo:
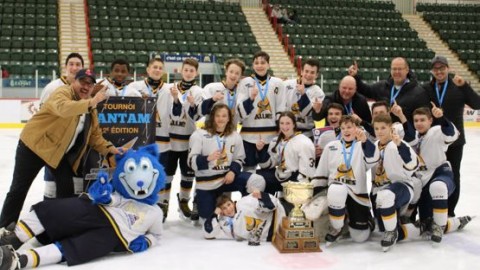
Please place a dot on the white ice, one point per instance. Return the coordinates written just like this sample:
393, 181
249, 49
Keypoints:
183, 247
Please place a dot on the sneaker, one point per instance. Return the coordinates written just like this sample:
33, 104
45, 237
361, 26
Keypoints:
332, 236
164, 206
8, 258
389, 239
8, 237
436, 233
183, 208
464, 221
194, 213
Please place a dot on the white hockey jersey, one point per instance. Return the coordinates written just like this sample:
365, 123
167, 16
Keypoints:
230, 98
250, 216
182, 123
131, 219
291, 157
209, 174
115, 91
259, 117
390, 167
50, 87
333, 168
164, 107
431, 148
301, 105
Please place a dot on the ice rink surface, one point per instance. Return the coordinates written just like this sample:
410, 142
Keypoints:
183, 246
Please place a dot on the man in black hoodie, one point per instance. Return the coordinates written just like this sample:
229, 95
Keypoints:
401, 87
452, 94
346, 95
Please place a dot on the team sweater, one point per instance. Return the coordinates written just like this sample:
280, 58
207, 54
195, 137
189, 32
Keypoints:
301, 105
259, 116
209, 174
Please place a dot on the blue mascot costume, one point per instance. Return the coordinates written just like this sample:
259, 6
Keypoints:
117, 215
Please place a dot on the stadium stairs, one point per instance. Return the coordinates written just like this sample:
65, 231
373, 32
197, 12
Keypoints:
269, 42
436, 44
72, 30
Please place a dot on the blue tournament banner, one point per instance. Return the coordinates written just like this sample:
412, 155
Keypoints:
127, 122
180, 57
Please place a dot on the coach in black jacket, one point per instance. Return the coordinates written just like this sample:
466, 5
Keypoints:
452, 95
400, 87
346, 95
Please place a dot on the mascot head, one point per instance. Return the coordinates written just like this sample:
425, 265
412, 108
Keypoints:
139, 175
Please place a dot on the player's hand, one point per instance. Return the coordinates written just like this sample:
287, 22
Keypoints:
218, 96
229, 177
260, 143
360, 135
174, 92
257, 194
100, 96
353, 69
98, 86
396, 138
254, 93
191, 99
301, 88
436, 111
458, 80
318, 151
317, 105
214, 155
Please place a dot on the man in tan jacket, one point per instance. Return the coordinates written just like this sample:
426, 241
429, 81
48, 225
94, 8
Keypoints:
57, 136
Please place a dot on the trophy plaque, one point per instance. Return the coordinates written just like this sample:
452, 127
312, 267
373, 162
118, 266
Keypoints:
296, 233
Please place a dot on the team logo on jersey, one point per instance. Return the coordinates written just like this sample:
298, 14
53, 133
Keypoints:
421, 164
275, 91
295, 109
222, 162
380, 178
264, 110
252, 224
345, 175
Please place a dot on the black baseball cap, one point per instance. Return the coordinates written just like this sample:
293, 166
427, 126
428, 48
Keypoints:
84, 73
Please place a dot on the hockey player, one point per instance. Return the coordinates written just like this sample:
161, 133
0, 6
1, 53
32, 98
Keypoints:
331, 131
154, 86
301, 93
343, 167
186, 98
225, 91
260, 99
73, 64
216, 155
254, 218
290, 156
435, 172
117, 82
392, 186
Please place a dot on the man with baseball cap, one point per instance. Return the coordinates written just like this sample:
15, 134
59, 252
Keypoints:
451, 95
57, 136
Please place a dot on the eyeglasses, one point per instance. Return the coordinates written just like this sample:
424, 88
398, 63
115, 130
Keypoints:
442, 68
397, 69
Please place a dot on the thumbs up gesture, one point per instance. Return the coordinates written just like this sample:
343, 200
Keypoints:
436, 111
317, 105
254, 92
191, 99
395, 137
353, 69
260, 143
174, 92
458, 80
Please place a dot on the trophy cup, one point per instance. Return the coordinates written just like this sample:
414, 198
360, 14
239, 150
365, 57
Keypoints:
296, 233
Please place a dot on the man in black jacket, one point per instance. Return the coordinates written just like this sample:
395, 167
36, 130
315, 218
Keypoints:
346, 95
401, 87
452, 94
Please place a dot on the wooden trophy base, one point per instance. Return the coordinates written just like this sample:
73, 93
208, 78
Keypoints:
296, 237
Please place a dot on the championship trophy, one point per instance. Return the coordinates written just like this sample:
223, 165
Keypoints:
296, 233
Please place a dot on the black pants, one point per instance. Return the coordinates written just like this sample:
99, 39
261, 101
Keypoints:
27, 166
454, 155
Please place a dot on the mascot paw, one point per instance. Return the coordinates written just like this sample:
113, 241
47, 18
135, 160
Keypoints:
139, 244
101, 190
